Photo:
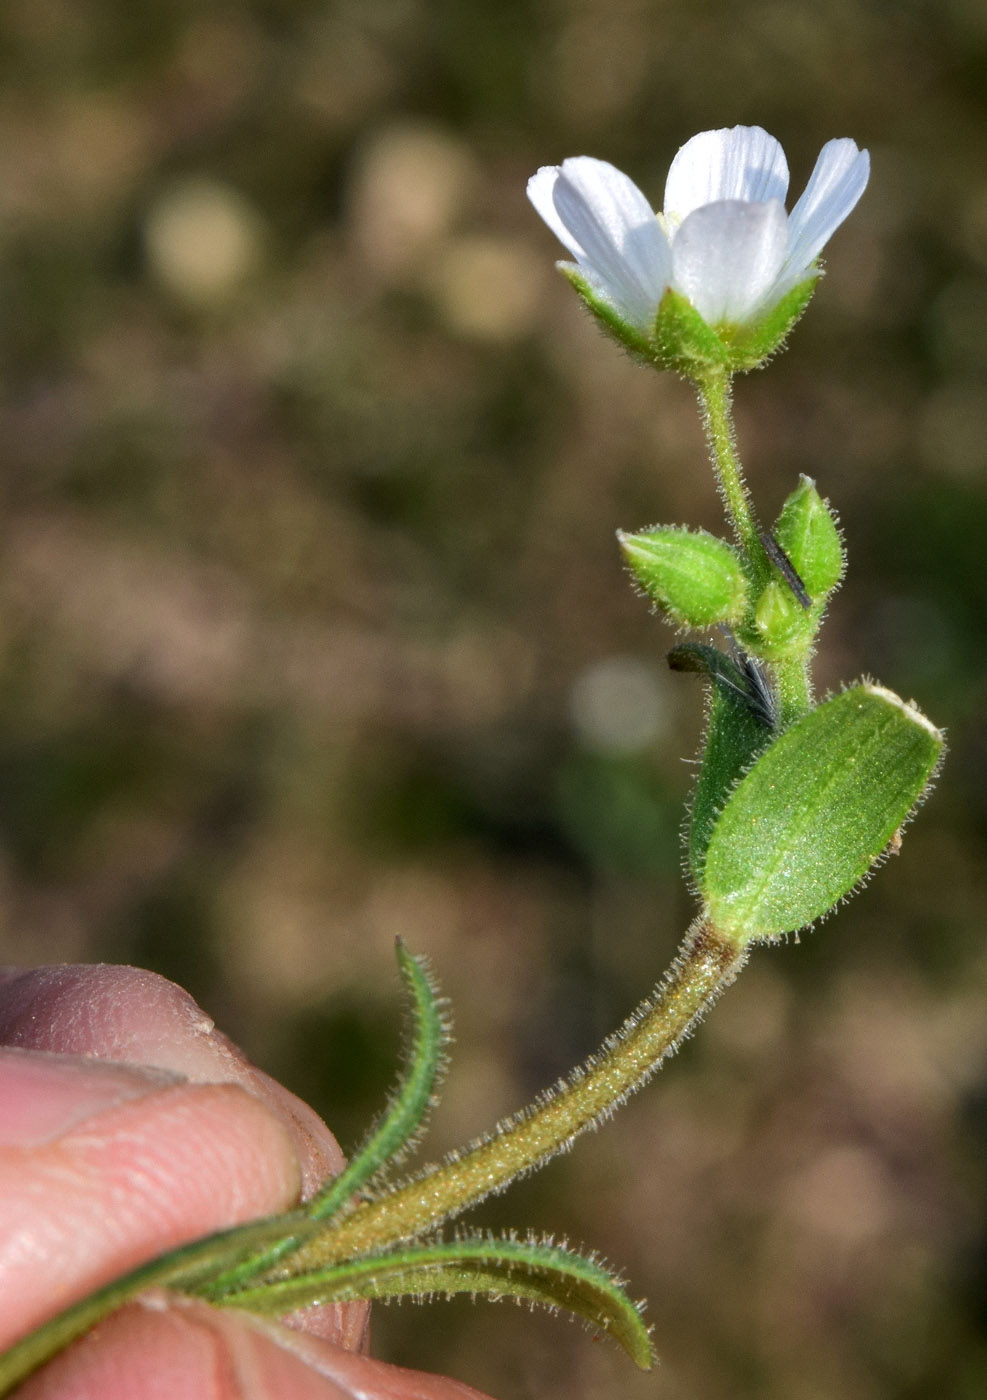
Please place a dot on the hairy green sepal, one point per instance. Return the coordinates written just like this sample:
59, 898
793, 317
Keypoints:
682, 341
750, 345
816, 812
627, 335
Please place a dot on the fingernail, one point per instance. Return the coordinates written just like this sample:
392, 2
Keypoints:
43, 1096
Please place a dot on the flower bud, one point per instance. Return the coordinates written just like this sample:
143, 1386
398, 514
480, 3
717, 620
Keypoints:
782, 623
808, 533
695, 577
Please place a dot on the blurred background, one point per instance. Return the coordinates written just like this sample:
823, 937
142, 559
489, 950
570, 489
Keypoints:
313, 630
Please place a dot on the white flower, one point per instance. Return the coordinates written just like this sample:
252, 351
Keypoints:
724, 240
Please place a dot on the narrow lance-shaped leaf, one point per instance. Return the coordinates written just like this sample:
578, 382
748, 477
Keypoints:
180, 1269
541, 1273
403, 1122
816, 812
392, 1137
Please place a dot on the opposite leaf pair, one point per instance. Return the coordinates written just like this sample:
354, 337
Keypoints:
774, 602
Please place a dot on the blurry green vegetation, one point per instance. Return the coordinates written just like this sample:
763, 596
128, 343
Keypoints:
313, 628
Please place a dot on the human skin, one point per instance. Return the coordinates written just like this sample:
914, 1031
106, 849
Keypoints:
129, 1125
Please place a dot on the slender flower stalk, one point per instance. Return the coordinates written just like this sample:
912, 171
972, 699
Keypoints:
714, 399
793, 681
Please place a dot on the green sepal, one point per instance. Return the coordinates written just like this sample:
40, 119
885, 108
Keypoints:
808, 533
739, 725
627, 335
697, 579
684, 342
390, 1139
681, 340
750, 345
543, 1273
816, 812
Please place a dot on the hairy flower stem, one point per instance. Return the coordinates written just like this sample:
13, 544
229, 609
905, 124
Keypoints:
706, 964
714, 402
792, 679
794, 687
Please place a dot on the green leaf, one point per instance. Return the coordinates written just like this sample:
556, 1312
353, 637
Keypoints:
816, 811
739, 725
181, 1268
403, 1122
389, 1141
538, 1272
808, 532
698, 579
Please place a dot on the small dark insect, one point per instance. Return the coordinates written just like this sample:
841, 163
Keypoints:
761, 697
739, 672
785, 567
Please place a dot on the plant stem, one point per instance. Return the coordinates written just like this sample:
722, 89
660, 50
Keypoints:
792, 679
794, 686
180, 1268
714, 401
706, 964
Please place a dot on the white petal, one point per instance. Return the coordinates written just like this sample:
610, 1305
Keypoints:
610, 228
541, 189
740, 162
727, 256
835, 185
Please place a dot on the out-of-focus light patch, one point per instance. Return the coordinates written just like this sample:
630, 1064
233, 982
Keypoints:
349, 65
972, 226
488, 288
488, 670
752, 1023
600, 62
408, 188
843, 1194
100, 147
203, 240
617, 705
956, 322
951, 432
914, 639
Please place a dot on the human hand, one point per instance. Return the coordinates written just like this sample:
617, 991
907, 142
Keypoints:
130, 1125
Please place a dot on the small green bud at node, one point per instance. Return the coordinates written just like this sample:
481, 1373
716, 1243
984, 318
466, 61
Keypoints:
815, 812
695, 577
808, 533
782, 622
